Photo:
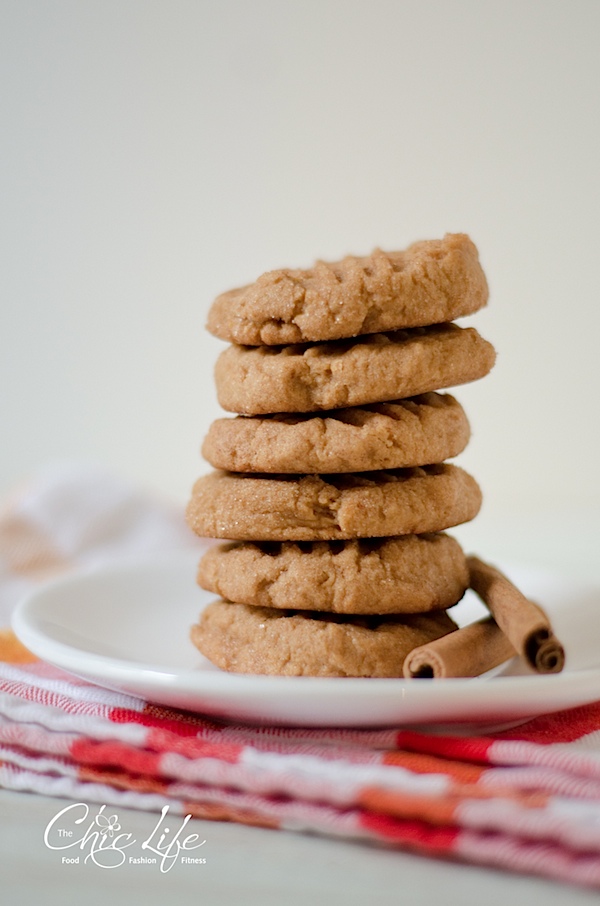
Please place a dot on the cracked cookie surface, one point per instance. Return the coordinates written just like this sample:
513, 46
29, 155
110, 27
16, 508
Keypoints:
249, 507
377, 368
263, 640
410, 574
413, 432
428, 283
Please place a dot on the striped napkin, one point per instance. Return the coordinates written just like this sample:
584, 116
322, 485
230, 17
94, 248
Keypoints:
525, 800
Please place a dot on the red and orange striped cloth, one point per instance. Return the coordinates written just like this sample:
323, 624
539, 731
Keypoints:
526, 800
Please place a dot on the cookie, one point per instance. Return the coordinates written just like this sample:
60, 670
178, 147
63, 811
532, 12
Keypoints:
432, 281
410, 574
244, 639
412, 432
372, 369
248, 507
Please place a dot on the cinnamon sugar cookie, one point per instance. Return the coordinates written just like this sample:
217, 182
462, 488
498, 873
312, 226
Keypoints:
250, 507
431, 282
372, 369
264, 640
410, 574
412, 432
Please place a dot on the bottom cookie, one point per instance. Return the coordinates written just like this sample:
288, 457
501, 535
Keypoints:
243, 639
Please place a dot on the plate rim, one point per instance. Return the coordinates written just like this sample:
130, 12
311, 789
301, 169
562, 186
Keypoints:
112, 672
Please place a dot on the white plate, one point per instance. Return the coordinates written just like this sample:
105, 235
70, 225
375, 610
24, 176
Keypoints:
126, 627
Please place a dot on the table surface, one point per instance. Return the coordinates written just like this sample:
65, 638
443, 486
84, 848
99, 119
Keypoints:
248, 865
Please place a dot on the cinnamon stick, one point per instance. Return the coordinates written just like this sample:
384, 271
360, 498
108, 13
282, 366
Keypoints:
469, 651
523, 622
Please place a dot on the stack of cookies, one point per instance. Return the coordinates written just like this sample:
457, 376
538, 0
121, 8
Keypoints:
331, 483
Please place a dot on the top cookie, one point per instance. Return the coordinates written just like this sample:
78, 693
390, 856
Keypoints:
431, 282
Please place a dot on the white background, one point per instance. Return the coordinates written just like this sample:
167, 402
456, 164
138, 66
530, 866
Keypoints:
156, 153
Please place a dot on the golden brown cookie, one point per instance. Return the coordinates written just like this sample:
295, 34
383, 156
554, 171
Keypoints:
410, 574
412, 432
372, 369
248, 507
432, 281
245, 639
